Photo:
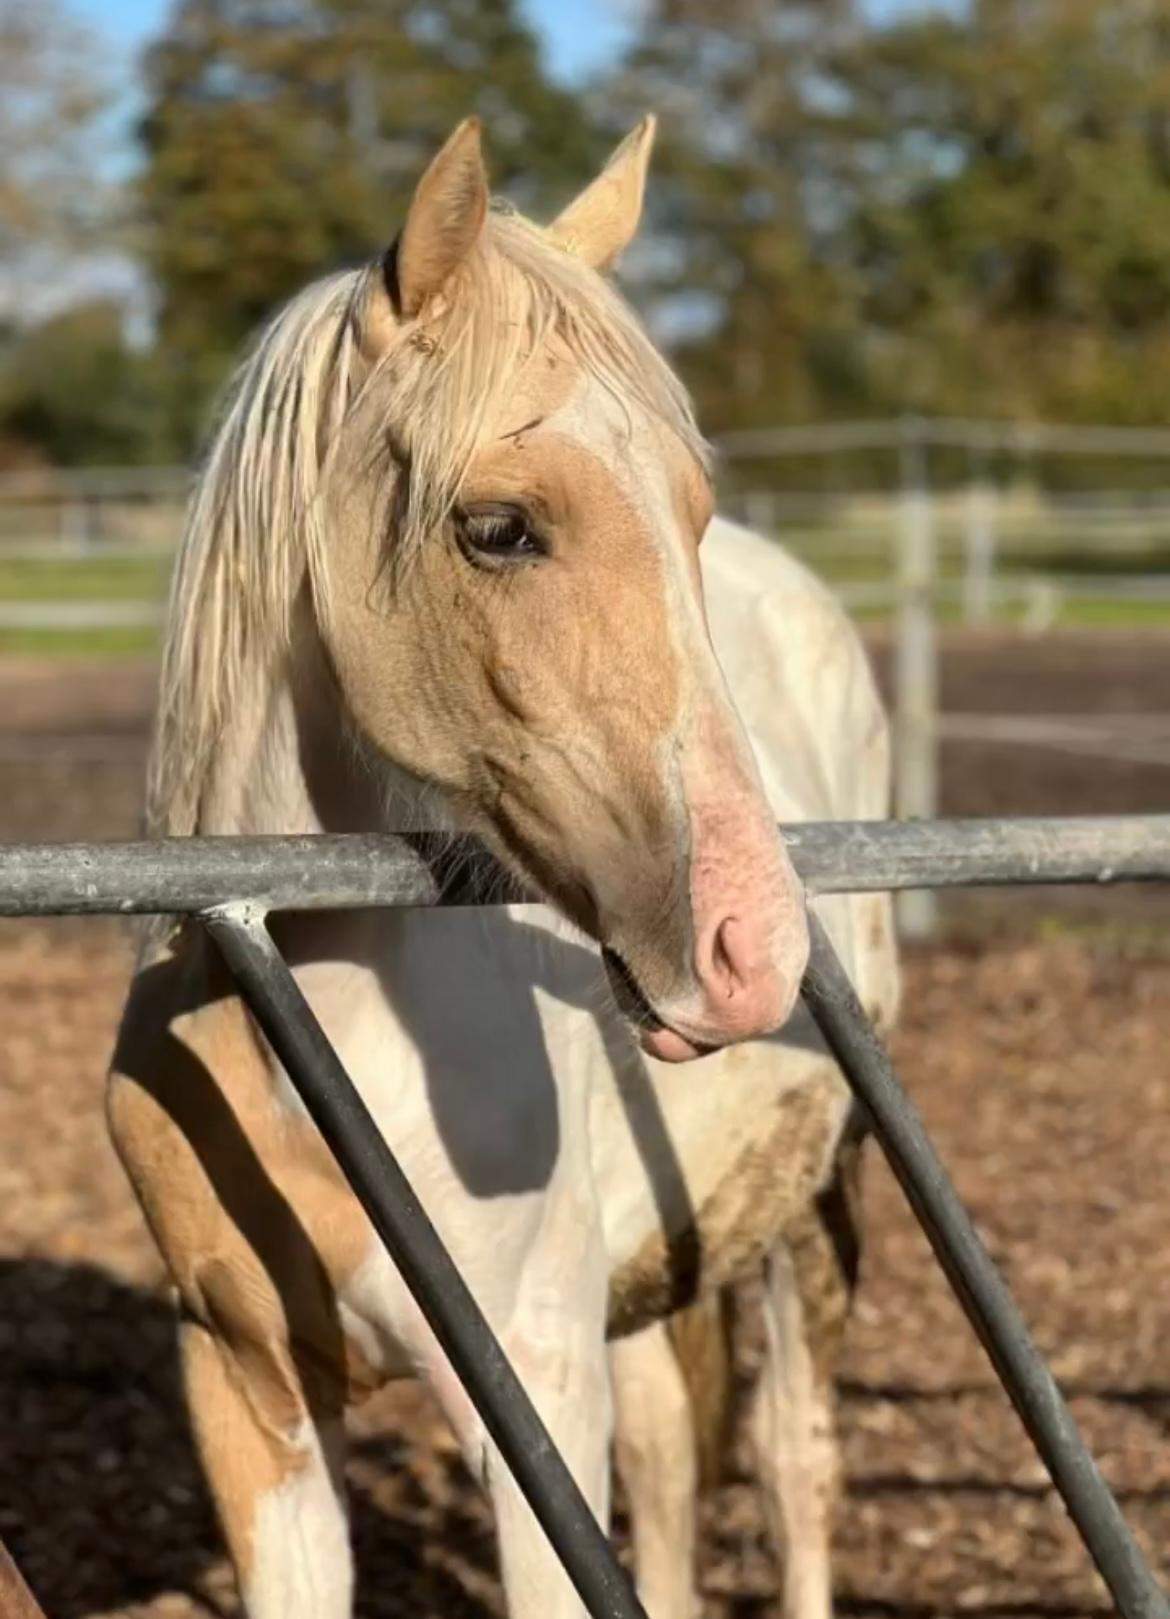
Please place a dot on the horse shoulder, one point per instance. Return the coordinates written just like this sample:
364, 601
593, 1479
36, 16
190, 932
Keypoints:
254, 1221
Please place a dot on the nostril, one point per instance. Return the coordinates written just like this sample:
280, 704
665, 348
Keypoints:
721, 959
727, 957
743, 980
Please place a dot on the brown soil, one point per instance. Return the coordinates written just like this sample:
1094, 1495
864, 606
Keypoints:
1039, 1059
1050, 1098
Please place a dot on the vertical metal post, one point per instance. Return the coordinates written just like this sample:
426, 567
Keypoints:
979, 544
78, 520
71, 524
980, 1289
915, 667
378, 1182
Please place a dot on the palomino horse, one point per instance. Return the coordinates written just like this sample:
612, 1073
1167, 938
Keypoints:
441, 573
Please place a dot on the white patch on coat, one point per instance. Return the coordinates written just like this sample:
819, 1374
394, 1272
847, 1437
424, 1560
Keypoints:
301, 1565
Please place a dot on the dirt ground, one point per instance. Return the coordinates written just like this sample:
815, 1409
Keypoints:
1036, 1046
73, 732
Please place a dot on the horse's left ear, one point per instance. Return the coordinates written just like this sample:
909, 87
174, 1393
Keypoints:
603, 220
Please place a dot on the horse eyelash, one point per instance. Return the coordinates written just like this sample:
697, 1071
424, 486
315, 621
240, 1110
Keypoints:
492, 523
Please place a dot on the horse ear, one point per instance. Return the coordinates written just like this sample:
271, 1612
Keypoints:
443, 222
601, 223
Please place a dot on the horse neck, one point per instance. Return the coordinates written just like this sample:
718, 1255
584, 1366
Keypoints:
288, 760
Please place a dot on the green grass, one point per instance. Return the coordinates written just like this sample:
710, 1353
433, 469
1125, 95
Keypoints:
1103, 614
97, 579
143, 579
1075, 611
1134, 938
83, 579
119, 643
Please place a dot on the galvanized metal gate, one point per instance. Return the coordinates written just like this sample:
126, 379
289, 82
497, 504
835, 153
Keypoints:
230, 884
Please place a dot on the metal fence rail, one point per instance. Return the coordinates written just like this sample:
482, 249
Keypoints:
186, 876
230, 883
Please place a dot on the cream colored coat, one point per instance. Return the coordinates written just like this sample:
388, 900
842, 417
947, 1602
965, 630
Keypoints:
574, 1180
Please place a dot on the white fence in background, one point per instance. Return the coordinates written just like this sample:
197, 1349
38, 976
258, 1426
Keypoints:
91, 510
944, 544
999, 556
979, 544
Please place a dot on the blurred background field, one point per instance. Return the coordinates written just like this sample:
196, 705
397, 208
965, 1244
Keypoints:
85, 553
913, 260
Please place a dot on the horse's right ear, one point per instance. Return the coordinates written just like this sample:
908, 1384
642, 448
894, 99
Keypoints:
602, 221
443, 222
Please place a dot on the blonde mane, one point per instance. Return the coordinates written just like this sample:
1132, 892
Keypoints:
254, 537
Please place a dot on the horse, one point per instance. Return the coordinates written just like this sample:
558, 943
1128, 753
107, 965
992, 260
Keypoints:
441, 573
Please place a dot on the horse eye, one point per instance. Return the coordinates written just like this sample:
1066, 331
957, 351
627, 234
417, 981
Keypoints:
497, 535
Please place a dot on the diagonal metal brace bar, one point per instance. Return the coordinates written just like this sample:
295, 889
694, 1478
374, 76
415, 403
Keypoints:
16, 1600
981, 1290
378, 1181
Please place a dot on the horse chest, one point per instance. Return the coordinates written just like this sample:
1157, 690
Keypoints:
736, 1207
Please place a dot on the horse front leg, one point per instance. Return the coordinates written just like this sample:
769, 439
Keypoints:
274, 1468
656, 1455
809, 1279
570, 1389
555, 1339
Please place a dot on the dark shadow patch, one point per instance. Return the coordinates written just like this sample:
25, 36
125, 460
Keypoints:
102, 1502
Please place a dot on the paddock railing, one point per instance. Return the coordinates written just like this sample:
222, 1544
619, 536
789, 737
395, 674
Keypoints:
230, 884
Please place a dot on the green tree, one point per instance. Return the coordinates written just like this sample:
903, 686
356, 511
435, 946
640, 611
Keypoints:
746, 270
966, 209
1009, 206
282, 138
74, 392
51, 97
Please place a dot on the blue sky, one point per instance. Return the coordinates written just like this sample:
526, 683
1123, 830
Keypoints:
579, 34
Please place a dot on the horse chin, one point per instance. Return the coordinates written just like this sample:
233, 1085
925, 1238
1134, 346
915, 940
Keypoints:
656, 1038
667, 1045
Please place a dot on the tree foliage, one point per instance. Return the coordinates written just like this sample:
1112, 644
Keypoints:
960, 209
48, 102
51, 95
73, 391
963, 211
282, 139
